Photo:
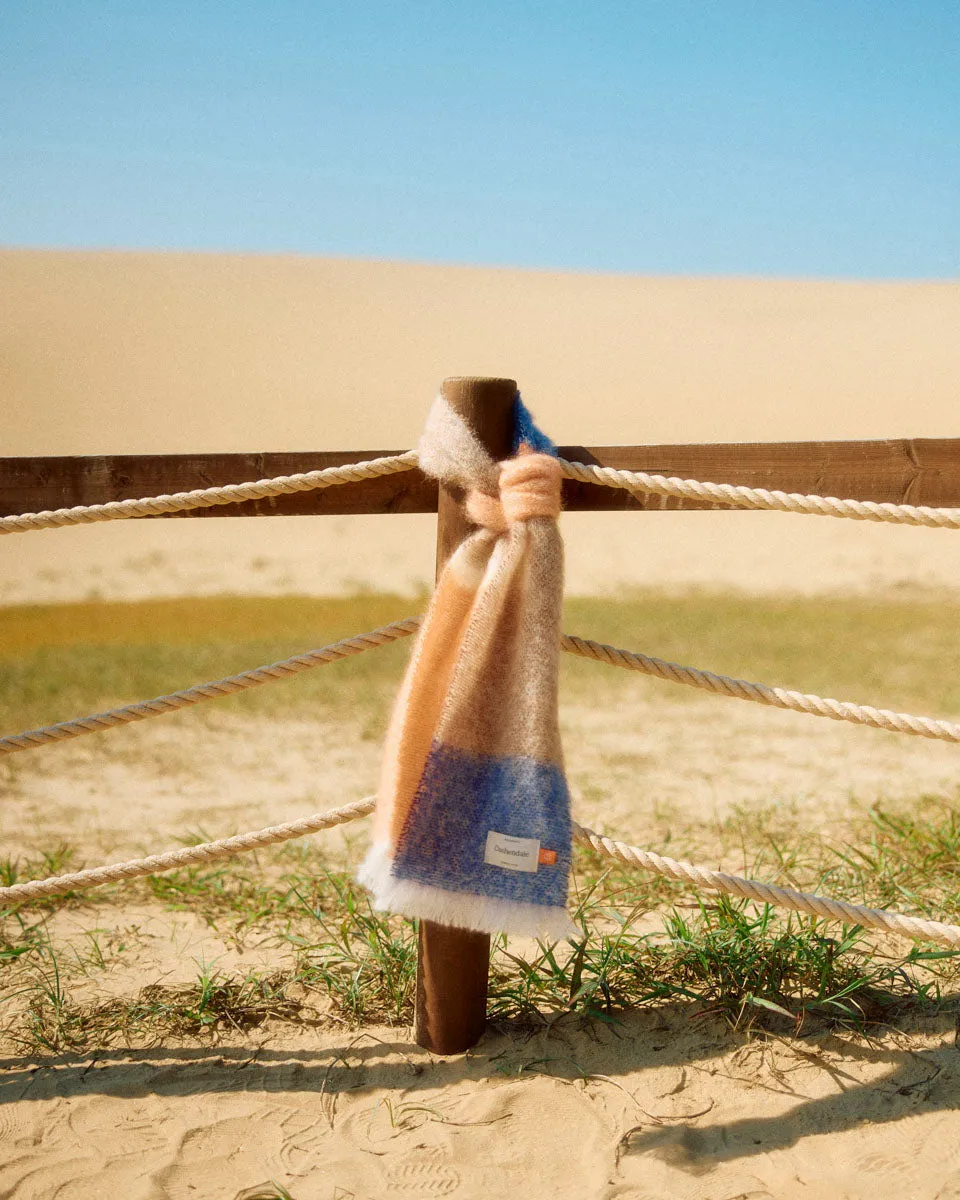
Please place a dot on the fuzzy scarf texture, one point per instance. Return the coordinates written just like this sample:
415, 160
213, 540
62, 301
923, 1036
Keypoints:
472, 825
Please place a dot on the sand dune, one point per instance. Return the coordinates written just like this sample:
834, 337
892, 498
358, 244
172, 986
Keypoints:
153, 353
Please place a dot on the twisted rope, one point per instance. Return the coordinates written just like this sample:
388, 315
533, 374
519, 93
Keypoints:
632, 481
77, 881
210, 691
723, 685
916, 928
231, 493
742, 689
761, 498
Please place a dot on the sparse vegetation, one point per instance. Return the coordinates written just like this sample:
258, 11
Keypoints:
645, 940
272, 1191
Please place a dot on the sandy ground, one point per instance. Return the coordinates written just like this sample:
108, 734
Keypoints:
655, 1109
665, 755
154, 353
658, 1107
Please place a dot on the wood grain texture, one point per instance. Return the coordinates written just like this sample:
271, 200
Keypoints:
900, 471
37, 484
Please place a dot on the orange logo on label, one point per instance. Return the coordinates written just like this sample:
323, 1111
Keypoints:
547, 858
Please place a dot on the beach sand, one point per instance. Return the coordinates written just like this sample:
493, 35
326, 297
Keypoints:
141, 353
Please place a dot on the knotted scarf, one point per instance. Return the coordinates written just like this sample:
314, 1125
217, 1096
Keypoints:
472, 825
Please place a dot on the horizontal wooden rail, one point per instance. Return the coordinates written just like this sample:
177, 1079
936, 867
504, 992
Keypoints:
901, 471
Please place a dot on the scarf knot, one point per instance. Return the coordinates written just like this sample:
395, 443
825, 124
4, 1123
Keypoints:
529, 488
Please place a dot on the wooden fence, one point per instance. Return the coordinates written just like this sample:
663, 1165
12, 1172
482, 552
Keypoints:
453, 963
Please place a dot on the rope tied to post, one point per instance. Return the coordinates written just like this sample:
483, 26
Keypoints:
472, 827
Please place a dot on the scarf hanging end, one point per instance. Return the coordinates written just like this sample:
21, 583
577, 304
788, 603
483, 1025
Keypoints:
464, 910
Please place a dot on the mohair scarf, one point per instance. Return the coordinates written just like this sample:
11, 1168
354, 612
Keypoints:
472, 825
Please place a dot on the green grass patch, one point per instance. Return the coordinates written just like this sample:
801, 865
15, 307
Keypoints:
214, 1004
883, 651
58, 662
63, 661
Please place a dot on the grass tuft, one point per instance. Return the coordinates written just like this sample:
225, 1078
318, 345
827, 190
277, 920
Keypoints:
212, 1005
364, 960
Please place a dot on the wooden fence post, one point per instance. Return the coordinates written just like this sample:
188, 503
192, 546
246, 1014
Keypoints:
452, 964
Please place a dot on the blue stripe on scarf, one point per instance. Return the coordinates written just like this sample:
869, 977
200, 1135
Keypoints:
526, 433
462, 797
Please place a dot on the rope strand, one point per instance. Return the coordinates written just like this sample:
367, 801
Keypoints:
639, 482
209, 691
722, 685
188, 856
760, 498
917, 928
231, 493
760, 693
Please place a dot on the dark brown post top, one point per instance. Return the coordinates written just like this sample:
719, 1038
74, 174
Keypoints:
487, 406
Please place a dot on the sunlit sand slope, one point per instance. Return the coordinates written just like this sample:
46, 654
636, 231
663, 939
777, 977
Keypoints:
152, 353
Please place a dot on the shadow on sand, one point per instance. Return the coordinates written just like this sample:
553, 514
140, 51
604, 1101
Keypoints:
902, 1081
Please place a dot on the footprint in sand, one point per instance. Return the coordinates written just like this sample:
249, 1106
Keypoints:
422, 1174
215, 1155
17, 1127
943, 1146
304, 1138
886, 1164
729, 1192
132, 1130
913, 1140
734, 1190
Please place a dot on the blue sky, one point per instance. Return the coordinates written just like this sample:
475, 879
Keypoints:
718, 137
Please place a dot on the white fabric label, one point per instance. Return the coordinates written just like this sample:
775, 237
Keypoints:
514, 853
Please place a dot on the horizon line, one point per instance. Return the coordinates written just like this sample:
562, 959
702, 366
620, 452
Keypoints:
447, 264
